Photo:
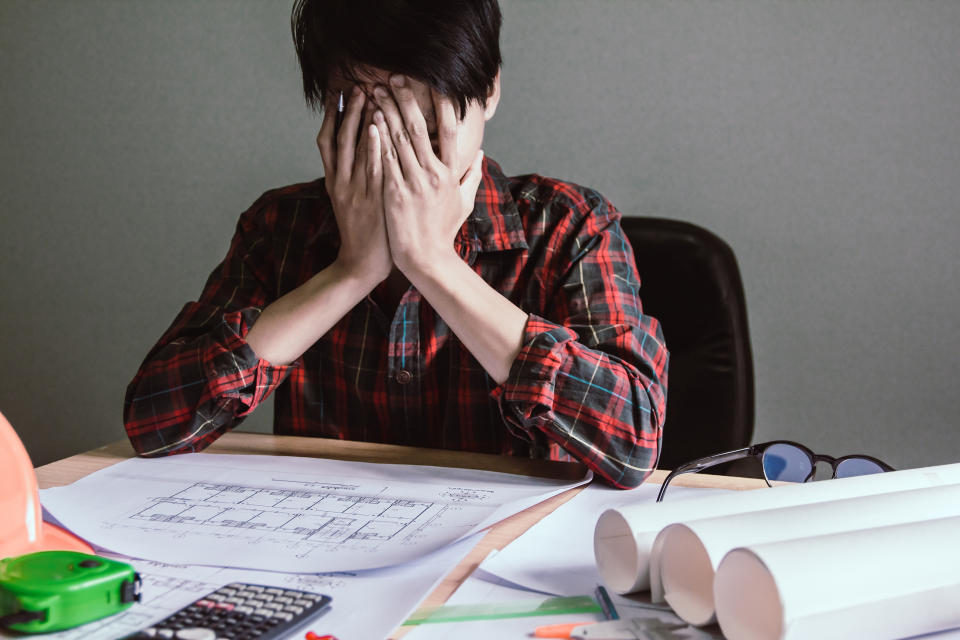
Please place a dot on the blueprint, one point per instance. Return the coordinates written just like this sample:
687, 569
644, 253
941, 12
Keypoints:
396, 592
286, 513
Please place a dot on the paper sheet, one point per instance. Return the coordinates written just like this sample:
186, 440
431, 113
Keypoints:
476, 590
366, 605
625, 536
556, 555
485, 588
286, 513
690, 552
888, 582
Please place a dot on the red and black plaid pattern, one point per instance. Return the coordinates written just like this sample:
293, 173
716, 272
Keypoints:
590, 381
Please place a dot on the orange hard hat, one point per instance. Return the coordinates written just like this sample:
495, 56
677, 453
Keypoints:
22, 529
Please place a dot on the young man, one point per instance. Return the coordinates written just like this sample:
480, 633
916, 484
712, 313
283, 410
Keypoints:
415, 294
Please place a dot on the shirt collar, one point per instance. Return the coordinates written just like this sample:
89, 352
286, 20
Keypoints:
494, 224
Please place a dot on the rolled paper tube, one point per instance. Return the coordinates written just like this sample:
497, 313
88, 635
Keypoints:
624, 538
691, 552
891, 582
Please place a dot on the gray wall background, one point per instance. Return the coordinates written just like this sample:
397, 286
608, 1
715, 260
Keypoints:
820, 138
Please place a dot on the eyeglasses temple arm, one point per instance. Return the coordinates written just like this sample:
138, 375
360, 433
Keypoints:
702, 463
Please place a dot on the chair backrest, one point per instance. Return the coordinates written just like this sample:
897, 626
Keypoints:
690, 282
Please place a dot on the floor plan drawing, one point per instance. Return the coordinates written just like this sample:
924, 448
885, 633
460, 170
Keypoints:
286, 514
310, 516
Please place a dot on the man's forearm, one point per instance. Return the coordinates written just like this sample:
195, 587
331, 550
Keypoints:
490, 326
291, 324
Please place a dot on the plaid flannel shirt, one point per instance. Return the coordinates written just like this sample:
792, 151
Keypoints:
589, 381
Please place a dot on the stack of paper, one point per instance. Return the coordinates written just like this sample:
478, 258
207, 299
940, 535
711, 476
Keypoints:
873, 556
286, 513
359, 532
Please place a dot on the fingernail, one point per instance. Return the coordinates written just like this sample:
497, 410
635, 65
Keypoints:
355, 91
378, 116
380, 92
398, 80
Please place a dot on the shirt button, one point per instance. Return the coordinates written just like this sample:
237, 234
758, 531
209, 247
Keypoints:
403, 376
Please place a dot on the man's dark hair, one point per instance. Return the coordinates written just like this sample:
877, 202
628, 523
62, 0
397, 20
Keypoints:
452, 46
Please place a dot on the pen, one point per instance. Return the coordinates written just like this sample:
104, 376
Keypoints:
609, 611
339, 119
564, 630
313, 636
557, 630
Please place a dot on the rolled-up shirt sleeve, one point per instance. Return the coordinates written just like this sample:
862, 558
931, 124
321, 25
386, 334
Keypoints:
592, 378
202, 378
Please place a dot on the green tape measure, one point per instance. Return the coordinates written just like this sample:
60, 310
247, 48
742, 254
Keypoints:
56, 590
493, 611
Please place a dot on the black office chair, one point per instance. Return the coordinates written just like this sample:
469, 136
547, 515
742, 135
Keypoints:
690, 282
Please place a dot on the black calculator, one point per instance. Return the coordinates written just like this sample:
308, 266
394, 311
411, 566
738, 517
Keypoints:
240, 611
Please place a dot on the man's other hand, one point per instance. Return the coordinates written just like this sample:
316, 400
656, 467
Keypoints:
426, 198
354, 180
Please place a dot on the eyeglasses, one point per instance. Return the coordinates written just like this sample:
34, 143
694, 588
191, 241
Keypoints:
785, 461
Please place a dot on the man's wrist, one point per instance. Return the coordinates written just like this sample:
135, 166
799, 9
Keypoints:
432, 265
357, 275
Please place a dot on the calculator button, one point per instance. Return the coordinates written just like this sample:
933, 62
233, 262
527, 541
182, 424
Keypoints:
164, 633
274, 591
303, 603
294, 610
284, 616
264, 612
196, 633
150, 631
227, 591
283, 600
253, 587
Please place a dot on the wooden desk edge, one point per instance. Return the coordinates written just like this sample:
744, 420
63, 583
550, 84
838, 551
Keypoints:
499, 536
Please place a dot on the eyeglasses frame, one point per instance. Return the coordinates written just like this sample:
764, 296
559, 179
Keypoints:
757, 451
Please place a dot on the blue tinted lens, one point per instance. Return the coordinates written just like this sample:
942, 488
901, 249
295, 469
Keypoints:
786, 463
857, 467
